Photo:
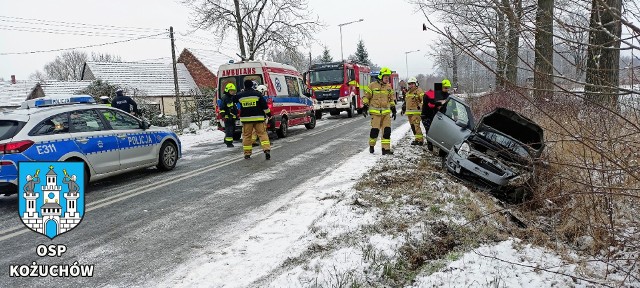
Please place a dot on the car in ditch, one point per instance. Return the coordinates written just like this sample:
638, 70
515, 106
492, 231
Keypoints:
501, 151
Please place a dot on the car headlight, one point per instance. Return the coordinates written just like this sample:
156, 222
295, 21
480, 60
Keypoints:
464, 151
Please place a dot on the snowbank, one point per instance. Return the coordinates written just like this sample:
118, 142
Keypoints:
206, 135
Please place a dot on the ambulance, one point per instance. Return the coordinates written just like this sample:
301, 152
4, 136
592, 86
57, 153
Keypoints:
287, 96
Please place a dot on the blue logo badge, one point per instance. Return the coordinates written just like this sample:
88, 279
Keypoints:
278, 85
51, 196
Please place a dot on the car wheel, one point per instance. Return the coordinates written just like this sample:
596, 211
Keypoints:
284, 128
312, 122
87, 174
168, 156
351, 110
318, 114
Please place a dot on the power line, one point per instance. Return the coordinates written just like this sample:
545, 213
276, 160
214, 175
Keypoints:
81, 47
50, 22
81, 28
67, 32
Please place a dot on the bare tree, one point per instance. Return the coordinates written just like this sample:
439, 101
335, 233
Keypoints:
290, 57
257, 23
38, 76
543, 77
604, 52
105, 57
68, 65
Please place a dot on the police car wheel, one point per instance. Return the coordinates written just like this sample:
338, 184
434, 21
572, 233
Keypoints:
168, 156
87, 175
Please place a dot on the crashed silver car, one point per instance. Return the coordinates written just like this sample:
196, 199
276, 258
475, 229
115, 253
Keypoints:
500, 151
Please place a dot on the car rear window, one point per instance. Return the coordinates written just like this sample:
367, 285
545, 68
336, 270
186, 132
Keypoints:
9, 128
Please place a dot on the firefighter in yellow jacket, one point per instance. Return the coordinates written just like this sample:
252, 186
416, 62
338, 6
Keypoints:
379, 102
412, 106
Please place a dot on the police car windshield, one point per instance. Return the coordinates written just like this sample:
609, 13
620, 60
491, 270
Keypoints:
8, 129
324, 77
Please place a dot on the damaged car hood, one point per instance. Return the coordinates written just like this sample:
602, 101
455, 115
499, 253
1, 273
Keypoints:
516, 126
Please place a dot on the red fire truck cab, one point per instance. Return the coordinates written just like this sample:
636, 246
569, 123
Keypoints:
287, 95
332, 88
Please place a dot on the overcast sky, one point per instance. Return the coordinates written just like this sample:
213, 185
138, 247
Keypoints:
389, 29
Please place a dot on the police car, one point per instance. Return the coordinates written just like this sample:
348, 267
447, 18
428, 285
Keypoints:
74, 128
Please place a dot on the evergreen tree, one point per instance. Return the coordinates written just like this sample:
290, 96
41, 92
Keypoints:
326, 56
362, 56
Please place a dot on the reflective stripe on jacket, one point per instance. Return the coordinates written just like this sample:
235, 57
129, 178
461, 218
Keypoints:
380, 97
413, 100
253, 107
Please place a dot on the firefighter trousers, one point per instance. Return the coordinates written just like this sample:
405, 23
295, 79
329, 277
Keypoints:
381, 122
415, 121
229, 130
261, 130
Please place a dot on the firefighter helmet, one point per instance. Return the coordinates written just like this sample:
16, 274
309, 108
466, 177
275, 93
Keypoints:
446, 83
384, 71
262, 89
229, 87
412, 80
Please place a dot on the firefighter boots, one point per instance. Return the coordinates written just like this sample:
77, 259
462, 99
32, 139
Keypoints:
387, 152
371, 149
267, 154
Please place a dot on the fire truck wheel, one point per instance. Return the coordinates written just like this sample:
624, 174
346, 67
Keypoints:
351, 110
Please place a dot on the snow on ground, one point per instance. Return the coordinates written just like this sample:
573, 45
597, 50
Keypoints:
281, 235
208, 134
488, 266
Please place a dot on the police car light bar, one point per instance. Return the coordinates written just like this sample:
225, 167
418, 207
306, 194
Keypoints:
58, 100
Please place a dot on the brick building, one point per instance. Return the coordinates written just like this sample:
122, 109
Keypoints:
202, 65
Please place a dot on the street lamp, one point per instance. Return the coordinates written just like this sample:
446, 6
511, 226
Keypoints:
407, 61
343, 24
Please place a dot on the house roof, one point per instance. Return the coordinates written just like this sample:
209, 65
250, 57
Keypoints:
153, 79
54, 87
12, 95
209, 58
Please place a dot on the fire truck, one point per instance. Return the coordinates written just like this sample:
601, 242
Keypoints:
394, 81
337, 87
287, 95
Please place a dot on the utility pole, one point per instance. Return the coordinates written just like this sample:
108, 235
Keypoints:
175, 79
